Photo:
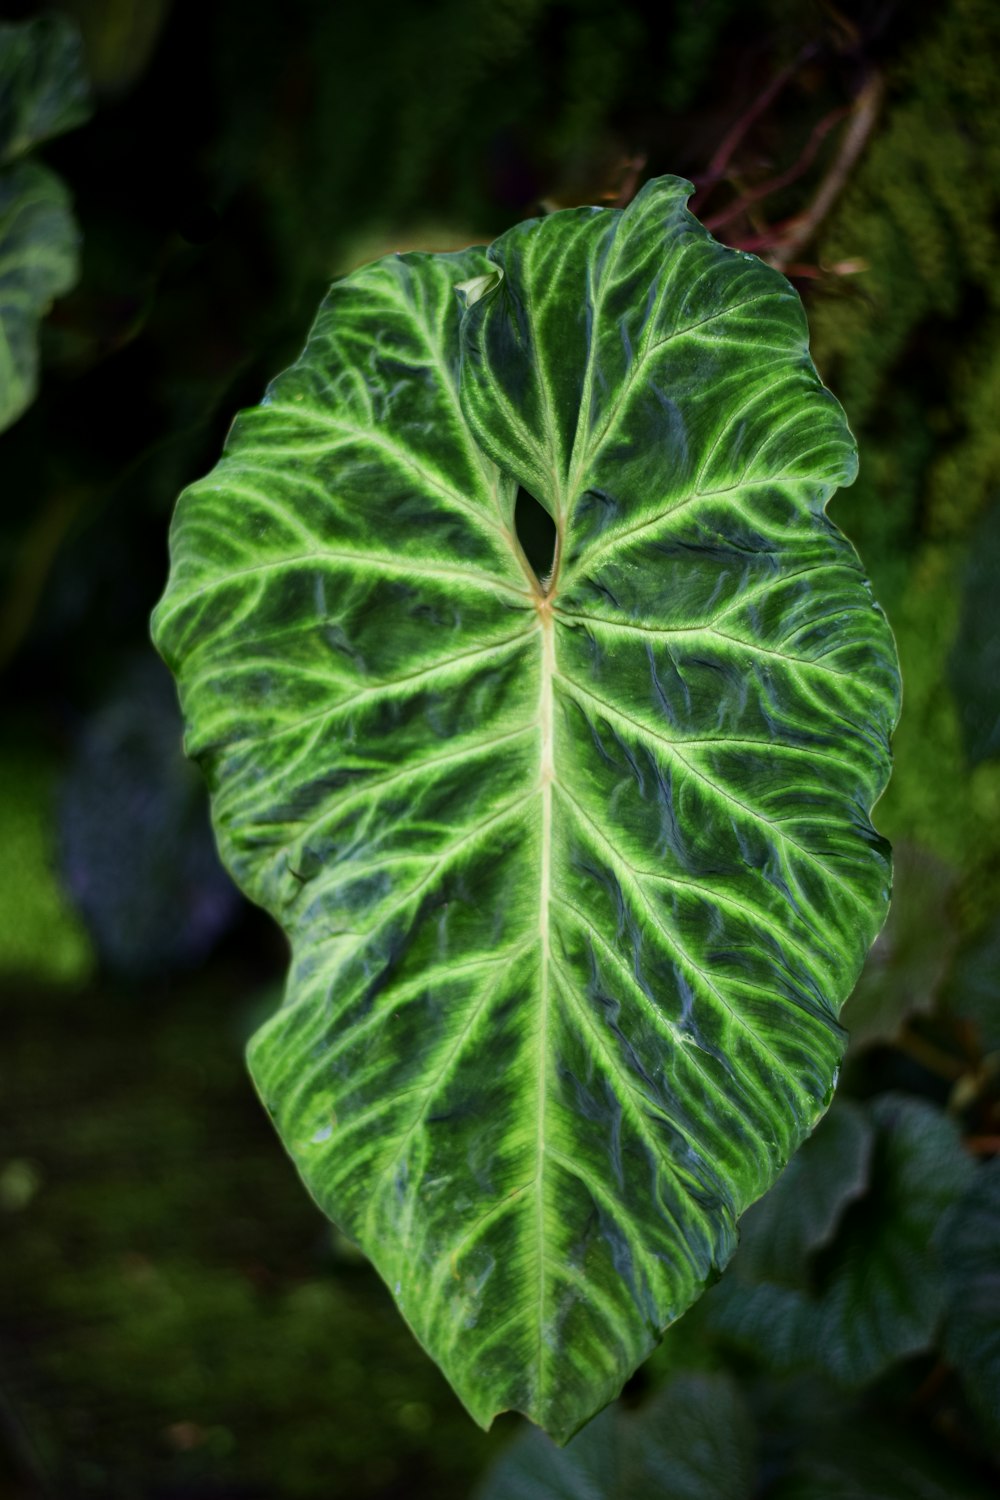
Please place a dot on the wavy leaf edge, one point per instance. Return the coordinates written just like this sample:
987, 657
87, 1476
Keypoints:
542, 1217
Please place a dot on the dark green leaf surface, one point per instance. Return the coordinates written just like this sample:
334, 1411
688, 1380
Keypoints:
969, 1243
695, 1441
43, 85
576, 875
883, 1292
38, 261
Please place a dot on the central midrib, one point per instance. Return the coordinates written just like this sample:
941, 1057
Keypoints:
546, 777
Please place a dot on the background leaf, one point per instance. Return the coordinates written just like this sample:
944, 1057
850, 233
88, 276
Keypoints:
975, 659
870, 1462
693, 1441
974, 990
877, 1293
802, 1212
132, 819
43, 92
43, 84
38, 243
41, 935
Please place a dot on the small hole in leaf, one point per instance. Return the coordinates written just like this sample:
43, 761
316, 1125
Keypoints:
536, 531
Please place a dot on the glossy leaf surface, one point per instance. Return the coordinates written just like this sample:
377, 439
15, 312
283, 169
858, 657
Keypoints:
576, 874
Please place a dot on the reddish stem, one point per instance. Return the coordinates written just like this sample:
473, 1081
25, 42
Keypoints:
724, 151
783, 179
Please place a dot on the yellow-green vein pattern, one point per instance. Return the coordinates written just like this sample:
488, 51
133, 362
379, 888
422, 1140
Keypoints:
576, 872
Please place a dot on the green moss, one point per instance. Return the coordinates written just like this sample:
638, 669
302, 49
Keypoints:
40, 933
188, 1325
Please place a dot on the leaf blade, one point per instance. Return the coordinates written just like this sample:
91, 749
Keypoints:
576, 875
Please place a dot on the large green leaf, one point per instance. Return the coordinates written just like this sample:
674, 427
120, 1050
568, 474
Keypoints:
576, 874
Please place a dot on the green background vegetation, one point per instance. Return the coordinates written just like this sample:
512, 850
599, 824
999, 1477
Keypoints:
175, 1317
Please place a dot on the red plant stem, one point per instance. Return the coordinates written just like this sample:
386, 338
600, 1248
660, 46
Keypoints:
783, 179
723, 152
800, 230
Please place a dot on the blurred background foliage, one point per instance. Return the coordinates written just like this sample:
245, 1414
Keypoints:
176, 1320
